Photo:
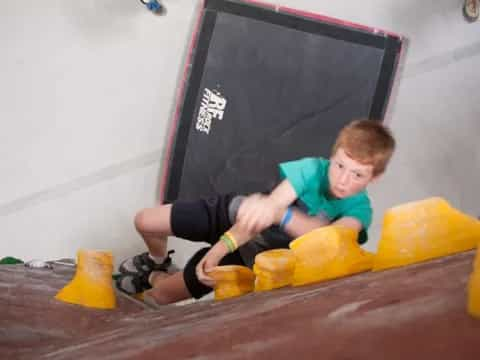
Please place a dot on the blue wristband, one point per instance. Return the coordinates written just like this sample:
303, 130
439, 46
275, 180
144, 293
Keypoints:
286, 218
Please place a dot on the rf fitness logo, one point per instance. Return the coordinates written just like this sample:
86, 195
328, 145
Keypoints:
212, 107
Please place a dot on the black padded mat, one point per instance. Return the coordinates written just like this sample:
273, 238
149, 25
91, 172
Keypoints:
266, 87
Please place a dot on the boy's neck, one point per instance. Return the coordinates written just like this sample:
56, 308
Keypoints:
331, 196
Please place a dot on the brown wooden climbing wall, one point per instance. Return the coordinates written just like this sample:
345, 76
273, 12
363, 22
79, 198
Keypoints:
416, 312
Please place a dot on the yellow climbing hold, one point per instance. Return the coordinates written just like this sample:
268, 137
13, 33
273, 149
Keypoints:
474, 288
92, 284
327, 253
232, 281
274, 269
423, 230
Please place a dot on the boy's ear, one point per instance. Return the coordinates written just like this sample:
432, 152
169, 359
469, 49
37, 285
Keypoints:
375, 178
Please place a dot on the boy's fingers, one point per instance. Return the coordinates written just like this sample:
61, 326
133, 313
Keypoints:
207, 267
250, 227
248, 224
256, 225
243, 222
241, 212
200, 268
207, 279
202, 277
209, 283
259, 228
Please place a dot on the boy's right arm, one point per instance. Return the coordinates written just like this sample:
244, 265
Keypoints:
302, 223
257, 212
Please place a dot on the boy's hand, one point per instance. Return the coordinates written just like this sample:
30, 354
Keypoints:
257, 212
209, 261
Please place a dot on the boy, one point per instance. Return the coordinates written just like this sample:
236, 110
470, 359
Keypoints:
314, 192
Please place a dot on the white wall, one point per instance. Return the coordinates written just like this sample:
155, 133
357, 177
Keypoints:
87, 89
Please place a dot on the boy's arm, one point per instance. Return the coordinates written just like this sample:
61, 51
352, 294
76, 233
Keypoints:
299, 225
283, 195
257, 212
302, 223
350, 222
218, 251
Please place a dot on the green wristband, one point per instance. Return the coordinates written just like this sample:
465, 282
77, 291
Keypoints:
228, 242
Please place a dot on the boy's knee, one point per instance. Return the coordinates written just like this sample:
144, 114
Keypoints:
153, 220
141, 220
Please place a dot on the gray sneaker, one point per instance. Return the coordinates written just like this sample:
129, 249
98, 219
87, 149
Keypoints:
135, 272
143, 264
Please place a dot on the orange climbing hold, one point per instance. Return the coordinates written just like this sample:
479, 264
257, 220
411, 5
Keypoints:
327, 253
274, 269
92, 284
232, 281
423, 230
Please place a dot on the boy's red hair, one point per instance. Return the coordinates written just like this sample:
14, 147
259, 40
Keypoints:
368, 142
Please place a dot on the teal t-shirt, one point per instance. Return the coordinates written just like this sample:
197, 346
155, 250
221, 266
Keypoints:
309, 178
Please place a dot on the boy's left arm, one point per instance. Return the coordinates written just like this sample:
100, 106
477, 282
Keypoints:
301, 223
358, 217
218, 251
349, 222
256, 213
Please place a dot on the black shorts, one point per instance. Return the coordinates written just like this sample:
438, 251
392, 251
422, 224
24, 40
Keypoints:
203, 220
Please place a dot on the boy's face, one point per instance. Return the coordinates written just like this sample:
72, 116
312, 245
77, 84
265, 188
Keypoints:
347, 176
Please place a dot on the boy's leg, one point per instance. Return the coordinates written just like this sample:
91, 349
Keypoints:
185, 284
154, 227
167, 289
203, 220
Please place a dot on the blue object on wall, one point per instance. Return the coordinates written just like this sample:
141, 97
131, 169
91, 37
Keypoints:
153, 5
